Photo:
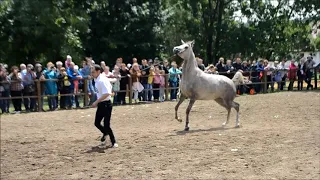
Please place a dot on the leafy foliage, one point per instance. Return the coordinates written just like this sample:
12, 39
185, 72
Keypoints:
41, 30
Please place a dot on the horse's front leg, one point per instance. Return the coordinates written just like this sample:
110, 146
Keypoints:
182, 98
192, 101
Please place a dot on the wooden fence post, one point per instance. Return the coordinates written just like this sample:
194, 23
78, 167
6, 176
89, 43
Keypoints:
166, 77
86, 94
38, 82
315, 78
265, 82
130, 90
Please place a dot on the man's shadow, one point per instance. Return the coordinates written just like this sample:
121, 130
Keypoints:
97, 149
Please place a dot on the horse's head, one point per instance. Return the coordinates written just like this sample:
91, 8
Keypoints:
184, 50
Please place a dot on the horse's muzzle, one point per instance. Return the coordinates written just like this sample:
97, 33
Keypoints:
176, 50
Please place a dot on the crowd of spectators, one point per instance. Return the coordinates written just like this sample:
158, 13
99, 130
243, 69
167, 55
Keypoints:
63, 82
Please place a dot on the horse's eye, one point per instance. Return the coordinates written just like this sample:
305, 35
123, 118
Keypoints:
186, 47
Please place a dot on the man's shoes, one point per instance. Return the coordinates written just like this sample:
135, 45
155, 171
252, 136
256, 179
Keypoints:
115, 145
103, 138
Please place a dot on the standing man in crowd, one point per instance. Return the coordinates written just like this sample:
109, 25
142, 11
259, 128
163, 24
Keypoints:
307, 69
104, 110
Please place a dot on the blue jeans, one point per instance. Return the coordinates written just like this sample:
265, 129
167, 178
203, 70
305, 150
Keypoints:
147, 94
52, 102
173, 92
92, 90
5, 103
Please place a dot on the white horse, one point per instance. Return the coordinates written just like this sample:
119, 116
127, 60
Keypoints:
198, 85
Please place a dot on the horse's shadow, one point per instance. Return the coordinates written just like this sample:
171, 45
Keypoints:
97, 149
183, 132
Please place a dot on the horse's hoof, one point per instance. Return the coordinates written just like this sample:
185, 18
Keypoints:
224, 124
178, 119
237, 126
186, 129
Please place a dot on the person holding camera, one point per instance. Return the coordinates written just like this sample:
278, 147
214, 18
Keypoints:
16, 88
51, 86
29, 88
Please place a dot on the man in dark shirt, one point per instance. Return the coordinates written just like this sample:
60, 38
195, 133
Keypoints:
124, 71
307, 69
144, 79
237, 65
220, 66
255, 69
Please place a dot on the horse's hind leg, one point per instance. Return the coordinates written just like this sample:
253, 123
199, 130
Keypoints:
225, 105
236, 106
181, 99
192, 101
228, 117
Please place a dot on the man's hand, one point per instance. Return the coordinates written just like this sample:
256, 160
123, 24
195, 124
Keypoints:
94, 104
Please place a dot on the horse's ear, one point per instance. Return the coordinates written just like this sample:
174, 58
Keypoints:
182, 41
192, 43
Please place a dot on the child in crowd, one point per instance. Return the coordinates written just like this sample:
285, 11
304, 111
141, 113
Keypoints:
136, 85
116, 84
64, 87
150, 82
156, 84
76, 86
162, 85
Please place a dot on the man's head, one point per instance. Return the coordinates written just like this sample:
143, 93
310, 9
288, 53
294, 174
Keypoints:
96, 71
72, 64
150, 62
221, 60
69, 58
59, 64
134, 60
144, 62
174, 64
102, 64
50, 65
165, 62
29, 67
23, 67
38, 67
238, 60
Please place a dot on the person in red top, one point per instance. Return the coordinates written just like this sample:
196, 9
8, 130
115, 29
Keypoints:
292, 75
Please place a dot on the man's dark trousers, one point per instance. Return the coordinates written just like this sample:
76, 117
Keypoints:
104, 111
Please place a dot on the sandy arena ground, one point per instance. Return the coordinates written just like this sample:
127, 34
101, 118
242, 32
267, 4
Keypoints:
279, 139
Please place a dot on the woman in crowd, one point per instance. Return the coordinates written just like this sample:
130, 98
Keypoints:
116, 85
16, 88
40, 77
64, 86
173, 80
51, 85
136, 85
124, 72
292, 75
156, 84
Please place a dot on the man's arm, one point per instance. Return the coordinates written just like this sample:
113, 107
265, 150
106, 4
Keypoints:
106, 91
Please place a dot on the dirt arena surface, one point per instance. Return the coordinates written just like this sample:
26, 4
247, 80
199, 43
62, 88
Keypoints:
279, 139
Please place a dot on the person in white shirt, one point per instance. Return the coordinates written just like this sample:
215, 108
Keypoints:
103, 104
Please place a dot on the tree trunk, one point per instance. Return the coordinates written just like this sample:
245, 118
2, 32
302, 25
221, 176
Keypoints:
218, 31
212, 14
209, 47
